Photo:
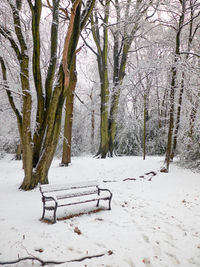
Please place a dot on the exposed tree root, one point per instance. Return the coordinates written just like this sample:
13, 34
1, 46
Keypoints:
43, 263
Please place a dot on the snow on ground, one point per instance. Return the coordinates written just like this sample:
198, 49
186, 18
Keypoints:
153, 222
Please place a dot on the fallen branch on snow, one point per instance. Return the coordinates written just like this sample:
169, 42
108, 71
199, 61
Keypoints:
43, 263
129, 179
148, 177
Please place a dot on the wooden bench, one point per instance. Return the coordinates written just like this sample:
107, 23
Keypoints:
54, 196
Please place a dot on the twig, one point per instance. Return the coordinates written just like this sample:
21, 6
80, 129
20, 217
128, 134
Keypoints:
129, 179
152, 172
110, 181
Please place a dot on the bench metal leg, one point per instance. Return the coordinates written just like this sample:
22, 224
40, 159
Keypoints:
109, 204
110, 201
43, 213
54, 214
98, 203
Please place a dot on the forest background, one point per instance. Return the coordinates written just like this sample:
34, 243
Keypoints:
103, 77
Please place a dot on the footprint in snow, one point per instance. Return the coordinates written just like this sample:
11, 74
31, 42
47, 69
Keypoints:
173, 258
146, 238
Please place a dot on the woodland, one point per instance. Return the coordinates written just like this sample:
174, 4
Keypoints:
104, 77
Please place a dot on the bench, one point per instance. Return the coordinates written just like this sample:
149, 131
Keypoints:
54, 196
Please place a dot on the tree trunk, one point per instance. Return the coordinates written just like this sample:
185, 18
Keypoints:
173, 87
18, 155
177, 119
26, 141
41, 171
66, 154
190, 39
193, 118
171, 121
92, 124
102, 59
144, 128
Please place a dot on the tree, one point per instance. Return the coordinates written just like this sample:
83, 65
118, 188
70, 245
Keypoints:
39, 144
171, 146
193, 14
66, 155
128, 17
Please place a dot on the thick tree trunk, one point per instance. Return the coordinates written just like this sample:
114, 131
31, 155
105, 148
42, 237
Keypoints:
26, 141
52, 136
18, 154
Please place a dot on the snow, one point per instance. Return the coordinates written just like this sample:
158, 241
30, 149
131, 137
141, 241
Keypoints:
154, 221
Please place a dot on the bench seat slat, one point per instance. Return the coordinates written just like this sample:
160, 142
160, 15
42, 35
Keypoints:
59, 187
51, 207
71, 195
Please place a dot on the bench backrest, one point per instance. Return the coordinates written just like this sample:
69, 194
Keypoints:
60, 187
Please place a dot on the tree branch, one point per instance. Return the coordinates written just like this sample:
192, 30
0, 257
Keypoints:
190, 53
43, 263
7, 34
10, 97
88, 45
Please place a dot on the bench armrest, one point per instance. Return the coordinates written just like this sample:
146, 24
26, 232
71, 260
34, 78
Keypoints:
103, 189
49, 197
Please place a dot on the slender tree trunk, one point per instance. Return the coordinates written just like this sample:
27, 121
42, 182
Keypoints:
92, 123
102, 59
193, 115
173, 88
66, 155
190, 39
120, 56
144, 128
104, 145
26, 126
177, 124
69, 65
171, 119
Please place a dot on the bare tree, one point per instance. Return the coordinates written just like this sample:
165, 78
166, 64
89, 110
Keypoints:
40, 144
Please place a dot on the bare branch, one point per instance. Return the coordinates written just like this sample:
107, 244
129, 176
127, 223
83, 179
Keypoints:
190, 53
43, 263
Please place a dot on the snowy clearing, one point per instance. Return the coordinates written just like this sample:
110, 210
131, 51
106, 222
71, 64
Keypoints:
154, 221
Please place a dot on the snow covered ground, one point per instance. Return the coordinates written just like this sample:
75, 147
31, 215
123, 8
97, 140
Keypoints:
154, 221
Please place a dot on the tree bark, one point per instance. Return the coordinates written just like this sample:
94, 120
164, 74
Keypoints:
69, 106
